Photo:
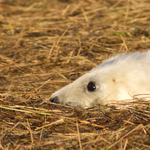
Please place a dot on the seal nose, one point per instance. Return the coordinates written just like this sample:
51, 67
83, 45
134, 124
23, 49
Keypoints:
54, 99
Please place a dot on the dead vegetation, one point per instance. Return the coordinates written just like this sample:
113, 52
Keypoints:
45, 45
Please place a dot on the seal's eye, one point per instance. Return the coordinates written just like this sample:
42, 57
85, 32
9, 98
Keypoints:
91, 86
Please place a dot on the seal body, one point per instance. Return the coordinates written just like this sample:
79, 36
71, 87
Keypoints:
118, 78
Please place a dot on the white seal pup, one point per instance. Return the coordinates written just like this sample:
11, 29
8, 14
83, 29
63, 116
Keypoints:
118, 78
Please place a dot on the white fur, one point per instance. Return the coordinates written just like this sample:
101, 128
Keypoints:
118, 78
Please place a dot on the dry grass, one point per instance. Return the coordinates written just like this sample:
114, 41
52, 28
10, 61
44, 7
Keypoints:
45, 45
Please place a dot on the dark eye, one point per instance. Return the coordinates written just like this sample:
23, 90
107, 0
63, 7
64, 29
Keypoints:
91, 86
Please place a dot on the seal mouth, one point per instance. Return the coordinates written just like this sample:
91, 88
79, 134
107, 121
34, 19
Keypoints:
55, 99
74, 104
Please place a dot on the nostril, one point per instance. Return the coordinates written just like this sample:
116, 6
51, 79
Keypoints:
54, 99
